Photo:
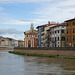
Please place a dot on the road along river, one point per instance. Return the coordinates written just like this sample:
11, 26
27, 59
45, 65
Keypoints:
11, 64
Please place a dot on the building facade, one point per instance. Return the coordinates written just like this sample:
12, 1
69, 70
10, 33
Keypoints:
8, 42
47, 34
42, 34
70, 33
58, 35
31, 37
39, 36
20, 43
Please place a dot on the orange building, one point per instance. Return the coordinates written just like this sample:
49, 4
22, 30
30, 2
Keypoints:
31, 37
70, 33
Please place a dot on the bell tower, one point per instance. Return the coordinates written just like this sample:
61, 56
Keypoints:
32, 27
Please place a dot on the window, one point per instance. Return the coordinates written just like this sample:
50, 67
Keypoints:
58, 42
73, 23
61, 44
58, 31
73, 30
50, 32
67, 31
58, 38
50, 39
74, 45
63, 38
67, 24
58, 45
41, 34
29, 40
62, 31
55, 32
67, 38
73, 38
55, 38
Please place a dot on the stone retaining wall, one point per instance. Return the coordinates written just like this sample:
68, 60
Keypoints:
46, 52
6, 48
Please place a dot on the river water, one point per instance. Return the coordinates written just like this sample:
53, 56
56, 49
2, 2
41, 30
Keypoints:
11, 64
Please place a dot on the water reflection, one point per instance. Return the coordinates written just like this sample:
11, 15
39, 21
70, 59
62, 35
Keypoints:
50, 66
25, 65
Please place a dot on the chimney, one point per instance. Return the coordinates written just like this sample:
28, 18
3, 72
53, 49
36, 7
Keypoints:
48, 22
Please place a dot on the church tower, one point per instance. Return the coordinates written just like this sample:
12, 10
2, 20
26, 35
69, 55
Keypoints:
32, 27
31, 37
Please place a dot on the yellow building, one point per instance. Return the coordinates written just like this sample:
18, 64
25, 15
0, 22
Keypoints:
31, 37
20, 43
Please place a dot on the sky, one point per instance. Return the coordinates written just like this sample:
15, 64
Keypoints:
17, 15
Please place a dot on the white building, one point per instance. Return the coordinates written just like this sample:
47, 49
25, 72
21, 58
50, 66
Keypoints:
58, 35
50, 24
16, 43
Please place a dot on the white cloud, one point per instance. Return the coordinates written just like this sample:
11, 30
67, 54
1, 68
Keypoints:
58, 10
18, 22
25, 22
16, 37
68, 3
2, 19
1, 8
23, 1
12, 33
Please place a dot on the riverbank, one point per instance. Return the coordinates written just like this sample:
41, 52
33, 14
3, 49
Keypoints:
68, 52
38, 55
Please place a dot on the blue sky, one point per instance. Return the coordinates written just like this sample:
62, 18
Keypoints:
17, 15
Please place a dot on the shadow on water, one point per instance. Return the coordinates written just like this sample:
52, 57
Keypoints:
11, 64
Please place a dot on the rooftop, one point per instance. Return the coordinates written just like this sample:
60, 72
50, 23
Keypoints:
42, 26
70, 20
60, 24
45, 25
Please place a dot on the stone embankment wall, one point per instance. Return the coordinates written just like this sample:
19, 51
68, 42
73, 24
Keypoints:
47, 51
6, 48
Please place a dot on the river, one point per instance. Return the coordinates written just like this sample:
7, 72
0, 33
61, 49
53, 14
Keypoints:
11, 64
